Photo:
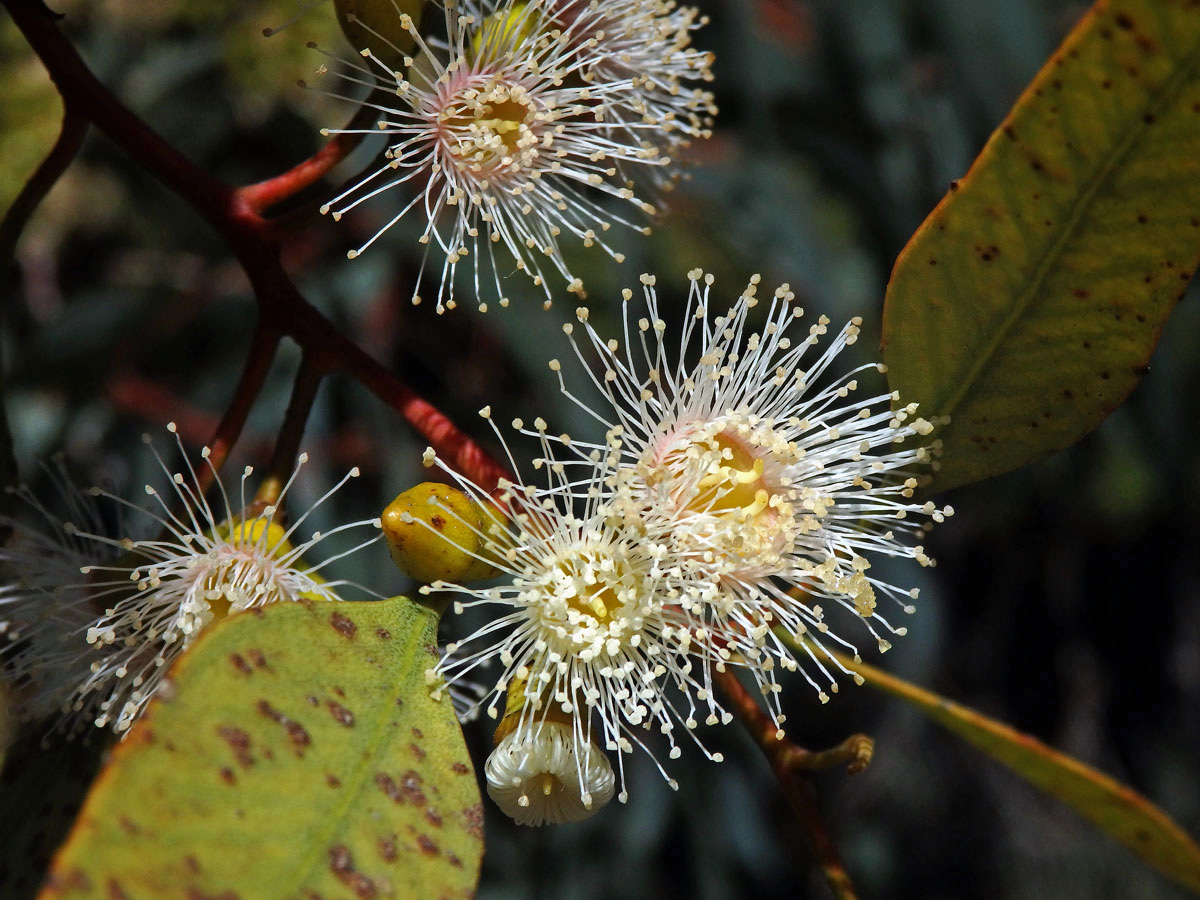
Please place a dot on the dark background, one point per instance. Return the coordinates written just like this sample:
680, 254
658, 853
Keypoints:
1067, 596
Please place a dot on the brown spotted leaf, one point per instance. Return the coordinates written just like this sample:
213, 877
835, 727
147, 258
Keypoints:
297, 753
1028, 304
1115, 809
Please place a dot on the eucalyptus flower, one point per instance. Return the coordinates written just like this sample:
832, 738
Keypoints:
743, 484
531, 123
646, 43
96, 617
783, 483
588, 617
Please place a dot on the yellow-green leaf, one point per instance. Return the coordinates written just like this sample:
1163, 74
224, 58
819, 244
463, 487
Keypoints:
1115, 809
297, 754
1028, 304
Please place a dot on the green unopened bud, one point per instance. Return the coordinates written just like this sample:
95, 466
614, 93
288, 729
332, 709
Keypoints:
379, 25
438, 533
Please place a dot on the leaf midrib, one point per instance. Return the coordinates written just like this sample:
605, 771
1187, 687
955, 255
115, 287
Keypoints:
1161, 99
340, 813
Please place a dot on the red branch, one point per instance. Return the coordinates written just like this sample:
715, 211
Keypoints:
66, 147
236, 213
787, 761
265, 194
261, 354
287, 445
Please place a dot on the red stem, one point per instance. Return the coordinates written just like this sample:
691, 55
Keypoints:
254, 375
291, 433
786, 759
265, 194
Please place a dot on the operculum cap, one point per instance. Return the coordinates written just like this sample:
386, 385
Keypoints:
542, 771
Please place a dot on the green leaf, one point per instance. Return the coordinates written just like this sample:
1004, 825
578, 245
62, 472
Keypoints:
298, 754
1028, 304
1115, 809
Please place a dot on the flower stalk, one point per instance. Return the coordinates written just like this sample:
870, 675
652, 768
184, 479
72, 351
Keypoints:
291, 432
788, 761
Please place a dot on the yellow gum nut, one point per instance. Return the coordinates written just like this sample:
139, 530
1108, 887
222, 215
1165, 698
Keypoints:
434, 534
375, 24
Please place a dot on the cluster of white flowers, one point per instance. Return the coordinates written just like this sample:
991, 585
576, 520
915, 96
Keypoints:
740, 488
527, 121
738, 492
90, 619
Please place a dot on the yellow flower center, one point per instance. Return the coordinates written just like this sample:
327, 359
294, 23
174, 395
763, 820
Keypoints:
590, 599
734, 482
726, 476
597, 600
489, 129
220, 606
244, 570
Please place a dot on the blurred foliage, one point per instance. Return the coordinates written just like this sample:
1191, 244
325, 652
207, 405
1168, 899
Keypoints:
1066, 600
1119, 812
29, 116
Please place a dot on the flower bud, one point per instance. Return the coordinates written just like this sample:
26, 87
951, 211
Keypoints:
542, 771
437, 533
